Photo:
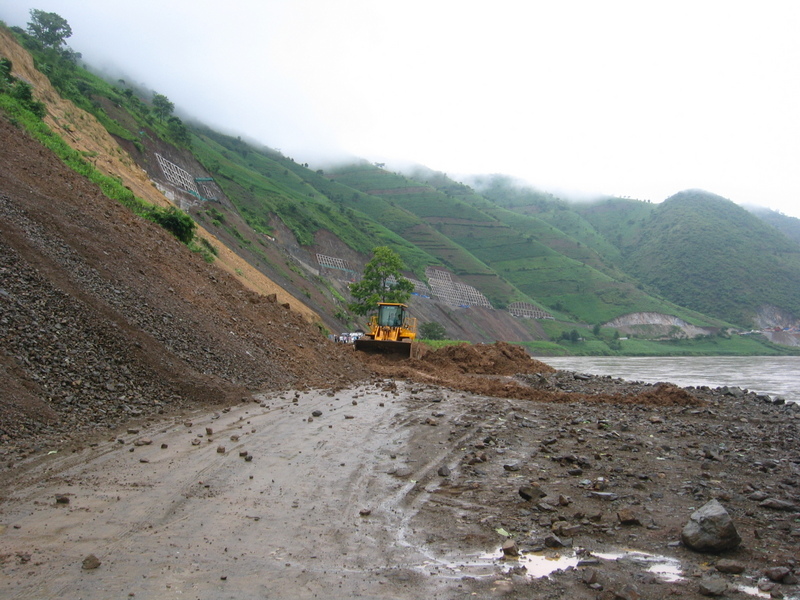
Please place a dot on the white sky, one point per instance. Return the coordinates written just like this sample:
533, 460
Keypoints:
631, 98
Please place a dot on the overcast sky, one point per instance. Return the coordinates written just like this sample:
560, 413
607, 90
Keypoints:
639, 98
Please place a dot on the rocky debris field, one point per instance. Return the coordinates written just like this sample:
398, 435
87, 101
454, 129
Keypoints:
164, 432
105, 317
446, 494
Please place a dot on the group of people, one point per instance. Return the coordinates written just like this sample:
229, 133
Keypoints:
347, 338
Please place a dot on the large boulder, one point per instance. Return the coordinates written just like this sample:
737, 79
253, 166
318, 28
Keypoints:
710, 529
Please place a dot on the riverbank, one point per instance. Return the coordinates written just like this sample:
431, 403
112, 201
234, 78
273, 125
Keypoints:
776, 376
588, 480
735, 345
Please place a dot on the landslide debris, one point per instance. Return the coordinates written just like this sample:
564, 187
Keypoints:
504, 370
105, 317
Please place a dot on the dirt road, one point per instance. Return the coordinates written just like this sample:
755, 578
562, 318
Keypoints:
404, 490
186, 521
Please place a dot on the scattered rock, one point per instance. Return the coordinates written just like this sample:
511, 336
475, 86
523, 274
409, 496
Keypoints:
607, 496
531, 492
777, 574
90, 562
726, 565
710, 529
712, 586
510, 548
776, 504
627, 517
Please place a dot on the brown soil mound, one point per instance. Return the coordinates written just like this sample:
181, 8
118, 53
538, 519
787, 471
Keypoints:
105, 317
504, 370
500, 358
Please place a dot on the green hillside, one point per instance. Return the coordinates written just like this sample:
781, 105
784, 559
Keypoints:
551, 253
789, 226
432, 219
261, 183
706, 253
696, 256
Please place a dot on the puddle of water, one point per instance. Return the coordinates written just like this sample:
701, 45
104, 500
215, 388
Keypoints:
544, 564
536, 565
752, 590
668, 569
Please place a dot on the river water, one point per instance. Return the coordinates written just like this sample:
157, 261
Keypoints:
776, 376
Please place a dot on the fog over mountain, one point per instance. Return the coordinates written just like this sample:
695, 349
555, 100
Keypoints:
632, 99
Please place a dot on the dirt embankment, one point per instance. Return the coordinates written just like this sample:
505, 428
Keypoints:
486, 369
105, 316
400, 488
87, 135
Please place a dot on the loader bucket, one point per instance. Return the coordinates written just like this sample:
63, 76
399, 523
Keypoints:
399, 349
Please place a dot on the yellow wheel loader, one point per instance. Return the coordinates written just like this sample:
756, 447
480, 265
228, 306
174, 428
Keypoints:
391, 331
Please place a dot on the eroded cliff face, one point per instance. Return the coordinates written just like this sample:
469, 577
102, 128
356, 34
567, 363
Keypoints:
656, 324
83, 132
105, 316
778, 325
772, 316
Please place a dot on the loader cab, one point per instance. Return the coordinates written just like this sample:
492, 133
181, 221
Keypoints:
391, 315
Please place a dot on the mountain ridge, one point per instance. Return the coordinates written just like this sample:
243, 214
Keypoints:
576, 261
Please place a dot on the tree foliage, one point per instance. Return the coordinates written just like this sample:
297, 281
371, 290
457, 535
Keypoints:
178, 132
162, 106
177, 222
49, 28
432, 331
21, 91
382, 282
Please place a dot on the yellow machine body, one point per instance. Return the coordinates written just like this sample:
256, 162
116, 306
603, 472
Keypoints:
391, 331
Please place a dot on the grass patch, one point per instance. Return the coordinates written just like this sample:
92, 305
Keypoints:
173, 220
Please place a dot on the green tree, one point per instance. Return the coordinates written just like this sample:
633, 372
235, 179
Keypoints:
50, 29
178, 132
5, 73
432, 331
382, 282
177, 222
162, 106
596, 330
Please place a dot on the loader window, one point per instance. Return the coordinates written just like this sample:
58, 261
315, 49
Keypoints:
390, 316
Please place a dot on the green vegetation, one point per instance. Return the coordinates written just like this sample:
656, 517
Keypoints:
432, 331
382, 282
18, 92
708, 254
49, 29
696, 256
19, 111
262, 182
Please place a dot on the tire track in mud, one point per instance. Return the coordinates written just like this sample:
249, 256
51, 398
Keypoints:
189, 513
328, 504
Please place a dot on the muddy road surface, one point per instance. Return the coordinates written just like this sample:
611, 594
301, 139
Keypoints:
311, 510
402, 489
